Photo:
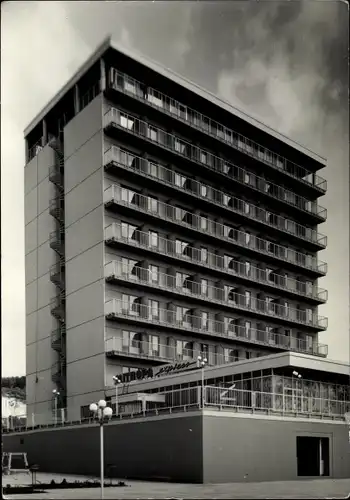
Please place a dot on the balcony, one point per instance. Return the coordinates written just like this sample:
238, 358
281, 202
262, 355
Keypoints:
115, 310
57, 275
116, 197
56, 208
213, 197
236, 268
57, 242
58, 339
116, 271
123, 83
164, 353
58, 307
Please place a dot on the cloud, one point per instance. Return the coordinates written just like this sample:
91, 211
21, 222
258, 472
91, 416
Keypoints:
31, 73
284, 62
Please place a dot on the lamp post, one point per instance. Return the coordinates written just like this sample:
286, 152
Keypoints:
202, 362
117, 381
102, 413
56, 394
295, 374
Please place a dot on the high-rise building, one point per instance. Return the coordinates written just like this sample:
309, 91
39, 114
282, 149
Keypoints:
161, 223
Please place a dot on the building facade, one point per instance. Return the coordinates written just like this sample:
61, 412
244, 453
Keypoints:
161, 224
210, 425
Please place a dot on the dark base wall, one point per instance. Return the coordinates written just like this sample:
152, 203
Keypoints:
216, 448
168, 449
240, 449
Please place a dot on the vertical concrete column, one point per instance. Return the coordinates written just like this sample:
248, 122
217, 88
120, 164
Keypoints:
145, 311
171, 349
145, 346
44, 136
219, 355
103, 75
76, 99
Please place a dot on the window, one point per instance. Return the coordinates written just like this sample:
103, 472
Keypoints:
132, 342
230, 294
205, 319
269, 275
247, 355
204, 223
183, 315
248, 298
180, 180
130, 305
128, 230
152, 204
229, 356
228, 261
204, 287
204, 190
154, 273
180, 146
181, 246
181, 281
247, 328
203, 157
152, 133
184, 350
130, 196
126, 121
153, 309
246, 208
247, 237
205, 350
153, 239
270, 306
204, 254
230, 232
154, 169
154, 345
129, 266
247, 268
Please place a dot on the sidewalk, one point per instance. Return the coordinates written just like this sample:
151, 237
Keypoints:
319, 488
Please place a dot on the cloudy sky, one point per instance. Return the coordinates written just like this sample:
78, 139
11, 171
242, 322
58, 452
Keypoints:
282, 62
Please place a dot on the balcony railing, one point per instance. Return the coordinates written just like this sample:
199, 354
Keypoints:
57, 275
35, 149
57, 242
228, 298
234, 268
56, 176
115, 194
57, 307
124, 83
58, 338
58, 371
56, 208
116, 308
293, 405
166, 353
115, 155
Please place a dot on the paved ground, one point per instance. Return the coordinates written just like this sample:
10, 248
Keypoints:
322, 488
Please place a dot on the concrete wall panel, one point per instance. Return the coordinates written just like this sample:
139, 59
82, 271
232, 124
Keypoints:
85, 233
46, 158
30, 206
31, 231
30, 175
89, 194
85, 340
85, 268
84, 126
159, 448
238, 448
46, 290
85, 305
31, 268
